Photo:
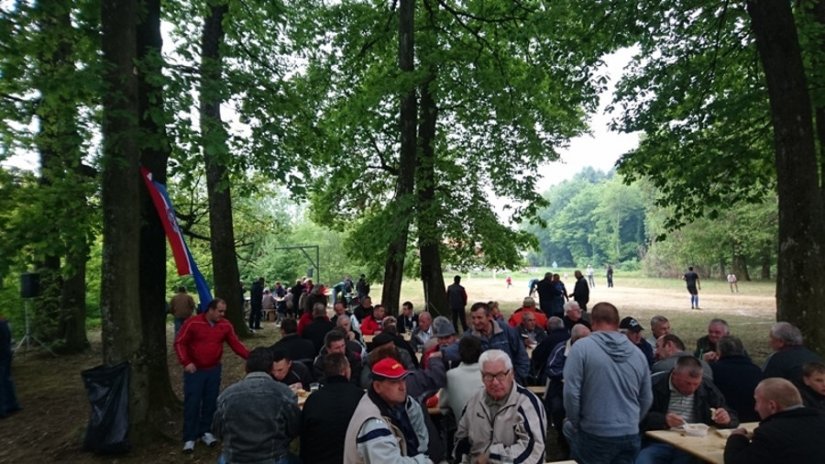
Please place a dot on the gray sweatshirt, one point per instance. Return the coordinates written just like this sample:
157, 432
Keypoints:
606, 385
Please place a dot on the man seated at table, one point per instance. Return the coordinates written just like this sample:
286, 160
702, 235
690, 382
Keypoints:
556, 333
788, 432
423, 333
530, 332
789, 353
371, 324
515, 422
633, 329
528, 306
257, 417
463, 381
706, 346
387, 426
682, 397
294, 375
573, 316
294, 345
669, 348
812, 388
323, 410
736, 377
336, 341
494, 334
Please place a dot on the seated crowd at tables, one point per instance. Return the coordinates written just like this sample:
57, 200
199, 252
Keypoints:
419, 392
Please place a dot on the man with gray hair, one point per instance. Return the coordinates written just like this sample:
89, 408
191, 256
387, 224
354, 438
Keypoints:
789, 432
736, 376
573, 316
789, 354
706, 346
659, 325
516, 421
556, 333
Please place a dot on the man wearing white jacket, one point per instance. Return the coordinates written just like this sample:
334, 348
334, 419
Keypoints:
504, 422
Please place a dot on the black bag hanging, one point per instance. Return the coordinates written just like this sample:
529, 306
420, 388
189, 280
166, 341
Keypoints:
108, 390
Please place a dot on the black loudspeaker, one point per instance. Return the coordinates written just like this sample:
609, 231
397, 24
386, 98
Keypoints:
29, 285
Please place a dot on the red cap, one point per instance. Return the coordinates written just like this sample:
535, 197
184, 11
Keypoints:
388, 369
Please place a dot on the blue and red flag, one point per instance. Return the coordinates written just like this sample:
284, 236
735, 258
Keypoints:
184, 260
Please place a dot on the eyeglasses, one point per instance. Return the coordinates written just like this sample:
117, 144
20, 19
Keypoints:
488, 378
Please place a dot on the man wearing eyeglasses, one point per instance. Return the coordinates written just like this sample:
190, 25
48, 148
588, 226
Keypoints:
199, 347
503, 422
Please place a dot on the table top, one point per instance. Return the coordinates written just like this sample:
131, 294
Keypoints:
710, 448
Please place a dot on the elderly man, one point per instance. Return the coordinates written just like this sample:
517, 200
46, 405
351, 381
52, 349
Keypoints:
387, 426
528, 306
257, 417
340, 309
573, 316
669, 348
554, 397
789, 432
323, 410
633, 330
199, 347
444, 333
606, 392
706, 346
344, 324
556, 333
494, 334
659, 325
530, 331
423, 333
736, 377
514, 428
789, 354
679, 398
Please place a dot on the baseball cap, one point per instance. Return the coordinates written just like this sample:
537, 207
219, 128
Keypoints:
631, 324
388, 369
442, 327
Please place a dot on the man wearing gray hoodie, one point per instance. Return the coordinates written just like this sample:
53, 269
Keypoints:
607, 392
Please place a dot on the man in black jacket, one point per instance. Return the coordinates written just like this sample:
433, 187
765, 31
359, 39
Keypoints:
295, 347
682, 397
318, 328
789, 432
457, 299
322, 429
581, 291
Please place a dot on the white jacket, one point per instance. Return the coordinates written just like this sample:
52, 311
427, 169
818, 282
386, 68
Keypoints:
518, 429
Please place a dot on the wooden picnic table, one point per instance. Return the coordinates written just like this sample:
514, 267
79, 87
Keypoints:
710, 448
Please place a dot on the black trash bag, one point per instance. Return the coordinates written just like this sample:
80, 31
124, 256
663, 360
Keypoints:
108, 390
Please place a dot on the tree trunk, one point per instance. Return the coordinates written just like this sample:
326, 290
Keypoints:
404, 199
120, 200
766, 266
429, 236
154, 156
740, 268
216, 154
800, 264
73, 303
819, 16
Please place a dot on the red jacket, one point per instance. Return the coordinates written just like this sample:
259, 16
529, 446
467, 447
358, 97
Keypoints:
541, 318
303, 322
201, 342
369, 326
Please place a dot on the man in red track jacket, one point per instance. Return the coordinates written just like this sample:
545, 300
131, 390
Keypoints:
199, 347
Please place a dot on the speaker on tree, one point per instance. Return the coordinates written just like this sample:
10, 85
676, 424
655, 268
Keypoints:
29, 285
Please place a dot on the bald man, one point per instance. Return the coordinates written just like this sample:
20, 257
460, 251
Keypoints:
788, 432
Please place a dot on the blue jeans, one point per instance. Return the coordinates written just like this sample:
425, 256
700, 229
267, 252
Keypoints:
587, 448
200, 397
662, 453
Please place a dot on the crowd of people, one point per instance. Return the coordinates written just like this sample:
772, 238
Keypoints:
411, 388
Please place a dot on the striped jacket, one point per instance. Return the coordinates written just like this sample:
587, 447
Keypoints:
516, 431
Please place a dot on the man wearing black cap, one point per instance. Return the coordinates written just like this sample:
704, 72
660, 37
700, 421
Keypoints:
631, 327
387, 426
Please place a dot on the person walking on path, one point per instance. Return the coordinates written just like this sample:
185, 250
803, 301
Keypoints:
457, 299
691, 278
199, 348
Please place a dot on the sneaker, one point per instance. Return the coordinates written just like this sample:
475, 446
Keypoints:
189, 447
208, 439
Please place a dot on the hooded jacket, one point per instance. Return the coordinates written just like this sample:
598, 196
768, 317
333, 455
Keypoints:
607, 385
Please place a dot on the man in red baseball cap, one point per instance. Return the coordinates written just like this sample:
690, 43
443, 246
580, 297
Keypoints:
388, 425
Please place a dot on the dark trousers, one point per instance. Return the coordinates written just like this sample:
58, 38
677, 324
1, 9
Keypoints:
459, 316
8, 394
200, 397
255, 318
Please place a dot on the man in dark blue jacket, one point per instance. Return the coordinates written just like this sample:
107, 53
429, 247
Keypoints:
495, 334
